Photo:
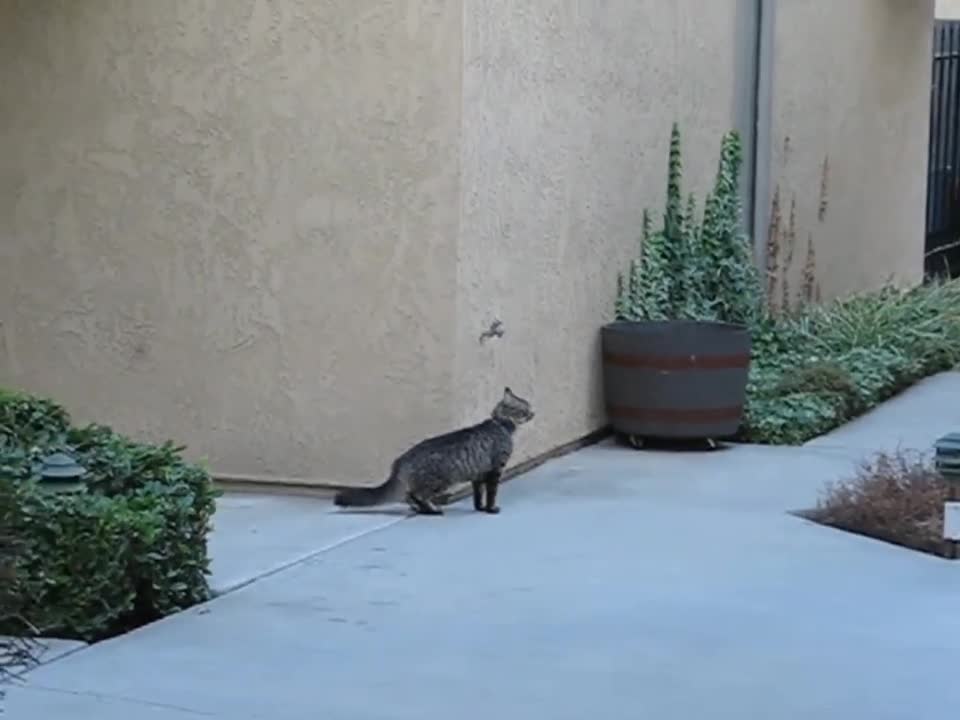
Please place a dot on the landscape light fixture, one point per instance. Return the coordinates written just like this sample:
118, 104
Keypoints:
59, 472
947, 461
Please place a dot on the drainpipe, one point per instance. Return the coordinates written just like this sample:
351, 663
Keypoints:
757, 210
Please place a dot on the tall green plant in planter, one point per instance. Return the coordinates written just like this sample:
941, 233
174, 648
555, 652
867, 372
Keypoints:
677, 358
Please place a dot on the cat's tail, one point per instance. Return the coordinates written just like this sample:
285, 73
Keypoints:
365, 497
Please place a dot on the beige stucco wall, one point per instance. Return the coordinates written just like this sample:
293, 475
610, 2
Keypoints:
237, 223
234, 223
566, 124
851, 85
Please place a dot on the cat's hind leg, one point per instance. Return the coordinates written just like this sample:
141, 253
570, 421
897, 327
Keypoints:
422, 505
491, 484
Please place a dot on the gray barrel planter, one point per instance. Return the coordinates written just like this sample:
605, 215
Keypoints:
675, 379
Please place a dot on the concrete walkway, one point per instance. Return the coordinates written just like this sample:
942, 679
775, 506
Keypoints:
615, 584
256, 535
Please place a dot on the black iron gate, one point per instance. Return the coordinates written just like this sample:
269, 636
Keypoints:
943, 181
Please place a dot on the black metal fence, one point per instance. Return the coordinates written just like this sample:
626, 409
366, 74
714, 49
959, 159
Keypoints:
943, 182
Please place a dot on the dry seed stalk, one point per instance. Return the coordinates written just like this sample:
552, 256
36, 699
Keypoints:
773, 247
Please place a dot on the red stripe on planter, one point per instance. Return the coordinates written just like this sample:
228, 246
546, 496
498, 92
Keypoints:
678, 362
670, 415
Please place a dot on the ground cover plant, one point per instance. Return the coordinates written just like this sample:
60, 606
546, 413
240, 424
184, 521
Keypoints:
129, 549
822, 364
897, 498
817, 364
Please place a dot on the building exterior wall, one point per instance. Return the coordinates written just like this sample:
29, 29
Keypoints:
276, 230
851, 91
948, 9
234, 223
567, 110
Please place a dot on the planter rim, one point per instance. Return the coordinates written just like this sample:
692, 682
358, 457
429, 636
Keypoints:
628, 325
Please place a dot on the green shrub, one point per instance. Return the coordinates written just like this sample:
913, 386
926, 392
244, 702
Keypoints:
694, 270
825, 378
17, 653
131, 549
822, 365
789, 420
28, 420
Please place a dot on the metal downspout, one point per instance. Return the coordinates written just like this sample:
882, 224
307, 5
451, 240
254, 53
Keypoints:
761, 126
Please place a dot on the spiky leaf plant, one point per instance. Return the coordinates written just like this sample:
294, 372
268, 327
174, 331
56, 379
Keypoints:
694, 271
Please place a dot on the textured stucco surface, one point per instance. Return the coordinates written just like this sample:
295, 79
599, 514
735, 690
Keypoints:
567, 110
851, 84
234, 222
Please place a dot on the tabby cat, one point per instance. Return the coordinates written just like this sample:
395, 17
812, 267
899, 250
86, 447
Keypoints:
476, 454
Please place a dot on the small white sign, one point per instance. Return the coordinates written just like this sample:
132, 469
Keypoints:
951, 521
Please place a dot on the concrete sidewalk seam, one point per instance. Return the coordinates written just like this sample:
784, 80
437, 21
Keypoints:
65, 654
120, 699
217, 593
305, 557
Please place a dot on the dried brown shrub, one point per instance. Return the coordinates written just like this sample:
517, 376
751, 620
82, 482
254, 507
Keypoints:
896, 497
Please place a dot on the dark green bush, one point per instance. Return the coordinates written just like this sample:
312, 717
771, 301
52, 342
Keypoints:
823, 378
26, 420
131, 549
790, 419
17, 653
